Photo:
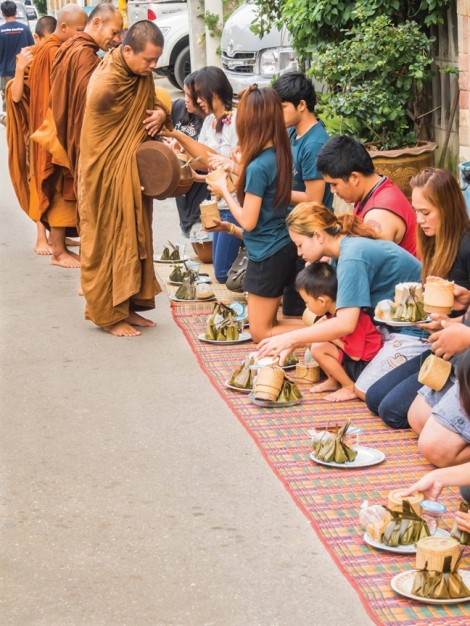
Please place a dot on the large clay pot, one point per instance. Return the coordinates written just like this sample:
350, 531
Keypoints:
401, 165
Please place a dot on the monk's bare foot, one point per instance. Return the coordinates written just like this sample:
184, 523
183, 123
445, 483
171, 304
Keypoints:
326, 385
72, 242
121, 329
342, 395
137, 320
66, 259
42, 248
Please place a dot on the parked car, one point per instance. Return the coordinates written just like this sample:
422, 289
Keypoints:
246, 58
141, 10
20, 14
175, 62
32, 16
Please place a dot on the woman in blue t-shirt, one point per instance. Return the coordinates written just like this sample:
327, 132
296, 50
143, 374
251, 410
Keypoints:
263, 194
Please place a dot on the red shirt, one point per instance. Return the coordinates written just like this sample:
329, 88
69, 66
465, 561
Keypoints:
387, 196
365, 340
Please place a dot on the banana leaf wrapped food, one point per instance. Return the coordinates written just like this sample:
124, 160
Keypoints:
187, 291
170, 255
409, 304
462, 536
447, 584
291, 359
405, 528
221, 324
289, 392
178, 273
242, 377
333, 449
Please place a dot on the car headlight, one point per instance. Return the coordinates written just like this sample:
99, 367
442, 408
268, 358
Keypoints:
276, 61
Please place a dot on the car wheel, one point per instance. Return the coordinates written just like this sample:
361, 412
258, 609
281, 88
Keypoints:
172, 80
182, 66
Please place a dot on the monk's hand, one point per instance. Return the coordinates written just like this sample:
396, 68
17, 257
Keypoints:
154, 121
24, 58
451, 340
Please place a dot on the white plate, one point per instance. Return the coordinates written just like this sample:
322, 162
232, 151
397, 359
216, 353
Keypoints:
201, 279
403, 583
409, 549
365, 457
242, 337
227, 384
267, 404
175, 299
398, 324
158, 259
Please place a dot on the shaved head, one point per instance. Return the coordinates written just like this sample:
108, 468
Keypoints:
105, 26
45, 25
71, 20
142, 33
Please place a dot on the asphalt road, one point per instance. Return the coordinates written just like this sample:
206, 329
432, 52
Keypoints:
130, 494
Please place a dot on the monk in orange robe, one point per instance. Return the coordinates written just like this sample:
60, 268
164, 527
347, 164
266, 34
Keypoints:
72, 68
17, 102
117, 273
51, 197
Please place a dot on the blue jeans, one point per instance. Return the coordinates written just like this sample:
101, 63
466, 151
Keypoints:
225, 248
391, 396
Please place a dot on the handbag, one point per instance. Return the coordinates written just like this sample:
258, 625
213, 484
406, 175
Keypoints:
236, 274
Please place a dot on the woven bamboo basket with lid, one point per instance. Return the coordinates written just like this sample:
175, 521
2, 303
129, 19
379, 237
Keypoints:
395, 500
268, 383
431, 553
434, 372
308, 372
438, 295
209, 212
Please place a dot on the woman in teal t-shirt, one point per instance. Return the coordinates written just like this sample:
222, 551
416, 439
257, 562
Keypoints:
263, 194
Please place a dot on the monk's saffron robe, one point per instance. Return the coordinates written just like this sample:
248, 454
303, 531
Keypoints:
116, 255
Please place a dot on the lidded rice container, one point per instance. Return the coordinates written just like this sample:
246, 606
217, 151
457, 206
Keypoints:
396, 497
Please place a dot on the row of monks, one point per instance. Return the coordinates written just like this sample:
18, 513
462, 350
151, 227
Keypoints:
74, 122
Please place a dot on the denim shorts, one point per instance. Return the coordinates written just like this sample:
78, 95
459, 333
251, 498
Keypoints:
446, 408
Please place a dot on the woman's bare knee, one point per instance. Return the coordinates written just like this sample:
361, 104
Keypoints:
418, 414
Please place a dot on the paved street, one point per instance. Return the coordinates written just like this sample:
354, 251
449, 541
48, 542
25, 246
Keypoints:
130, 493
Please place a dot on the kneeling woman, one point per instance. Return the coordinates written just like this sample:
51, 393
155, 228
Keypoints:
263, 195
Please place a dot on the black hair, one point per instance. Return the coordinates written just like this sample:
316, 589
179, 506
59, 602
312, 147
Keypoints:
140, 34
187, 117
211, 81
343, 155
45, 25
318, 279
463, 376
8, 8
294, 87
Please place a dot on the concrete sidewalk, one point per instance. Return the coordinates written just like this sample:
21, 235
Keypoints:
130, 493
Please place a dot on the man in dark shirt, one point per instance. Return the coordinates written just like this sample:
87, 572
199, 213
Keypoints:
13, 37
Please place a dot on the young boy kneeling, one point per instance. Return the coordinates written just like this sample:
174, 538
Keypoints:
342, 359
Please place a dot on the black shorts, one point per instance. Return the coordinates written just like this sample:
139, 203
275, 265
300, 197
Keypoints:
268, 278
292, 303
353, 368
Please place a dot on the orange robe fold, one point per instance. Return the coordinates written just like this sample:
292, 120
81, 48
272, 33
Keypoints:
116, 256
51, 186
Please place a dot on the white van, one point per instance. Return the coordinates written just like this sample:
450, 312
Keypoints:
246, 58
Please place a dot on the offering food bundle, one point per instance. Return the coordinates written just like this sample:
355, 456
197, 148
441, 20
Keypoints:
408, 305
398, 524
242, 377
222, 324
190, 290
437, 565
272, 384
462, 536
170, 255
179, 273
331, 447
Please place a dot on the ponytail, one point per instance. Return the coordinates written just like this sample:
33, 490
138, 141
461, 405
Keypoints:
309, 217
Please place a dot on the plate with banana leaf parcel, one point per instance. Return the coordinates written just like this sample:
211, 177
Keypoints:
400, 549
403, 584
241, 338
365, 457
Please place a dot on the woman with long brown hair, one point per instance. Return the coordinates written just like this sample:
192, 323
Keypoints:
367, 270
263, 194
444, 247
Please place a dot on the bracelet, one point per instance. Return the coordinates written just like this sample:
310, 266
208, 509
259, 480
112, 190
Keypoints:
231, 230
